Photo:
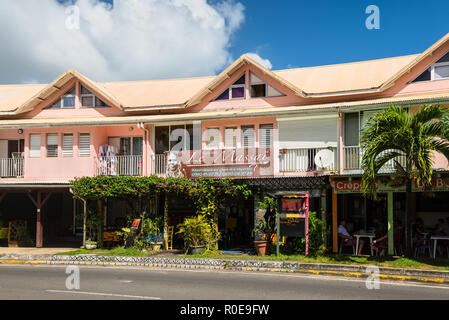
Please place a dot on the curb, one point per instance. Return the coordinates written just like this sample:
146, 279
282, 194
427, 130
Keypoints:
353, 271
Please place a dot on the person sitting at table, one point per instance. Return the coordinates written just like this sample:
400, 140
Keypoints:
347, 237
381, 242
418, 229
446, 227
439, 228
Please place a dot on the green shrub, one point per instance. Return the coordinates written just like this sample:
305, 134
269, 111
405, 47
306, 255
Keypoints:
317, 232
196, 231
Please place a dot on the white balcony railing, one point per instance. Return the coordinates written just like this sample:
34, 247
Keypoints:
119, 166
159, 164
303, 160
353, 159
11, 168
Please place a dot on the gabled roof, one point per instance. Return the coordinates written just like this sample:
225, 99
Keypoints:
30, 97
244, 59
311, 82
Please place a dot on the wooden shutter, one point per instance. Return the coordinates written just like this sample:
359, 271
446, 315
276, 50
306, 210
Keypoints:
266, 136
248, 136
67, 145
84, 145
35, 145
231, 137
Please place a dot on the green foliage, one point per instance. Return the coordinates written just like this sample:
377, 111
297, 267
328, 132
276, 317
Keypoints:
264, 229
4, 233
153, 226
140, 244
208, 194
196, 231
394, 132
317, 233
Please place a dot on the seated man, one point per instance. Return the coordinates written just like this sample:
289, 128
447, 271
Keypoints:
346, 236
381, 242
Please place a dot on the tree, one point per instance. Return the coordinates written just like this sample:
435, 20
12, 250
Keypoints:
396, 132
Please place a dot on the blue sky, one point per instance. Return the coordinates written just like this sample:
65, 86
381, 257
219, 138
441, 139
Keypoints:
308, 33
160, 39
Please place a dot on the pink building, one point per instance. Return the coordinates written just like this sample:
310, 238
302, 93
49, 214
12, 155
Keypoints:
294, 129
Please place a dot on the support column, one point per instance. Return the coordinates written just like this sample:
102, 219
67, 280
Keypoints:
390, 224
324, 214
39, 203
334, 222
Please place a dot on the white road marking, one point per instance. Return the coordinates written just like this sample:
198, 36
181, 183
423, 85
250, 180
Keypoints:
103, 294
125, 281
319, 277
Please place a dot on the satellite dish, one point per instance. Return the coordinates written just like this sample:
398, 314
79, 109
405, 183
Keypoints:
324, 158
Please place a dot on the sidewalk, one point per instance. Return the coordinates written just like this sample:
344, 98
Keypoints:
345, 270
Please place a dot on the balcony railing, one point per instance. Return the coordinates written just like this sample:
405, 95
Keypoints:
303, 160
353, 159
11, 167
159, 164
119, 166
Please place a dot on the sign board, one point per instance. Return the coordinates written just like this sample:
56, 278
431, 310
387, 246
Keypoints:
438, 184
292, 227
133, 233
220, 163
292, 218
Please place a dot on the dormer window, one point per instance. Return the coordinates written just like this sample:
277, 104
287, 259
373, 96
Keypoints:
260, 89
439, 70
89, 100
236, 91
66, 101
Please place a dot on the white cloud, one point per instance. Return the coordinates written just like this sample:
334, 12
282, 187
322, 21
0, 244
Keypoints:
265, 62
134, 40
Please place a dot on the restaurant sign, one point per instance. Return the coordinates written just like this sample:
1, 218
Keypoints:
220, 163
438, 184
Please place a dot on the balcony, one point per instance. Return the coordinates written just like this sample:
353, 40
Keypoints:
352, 157
119, 166
303, 160
11, 167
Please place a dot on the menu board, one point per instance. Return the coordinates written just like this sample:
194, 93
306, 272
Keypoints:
292, 227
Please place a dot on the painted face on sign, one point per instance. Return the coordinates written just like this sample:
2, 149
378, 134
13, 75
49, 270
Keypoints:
173, 166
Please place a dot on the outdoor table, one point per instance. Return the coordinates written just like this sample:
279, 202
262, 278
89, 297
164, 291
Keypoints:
371, 236
435, 239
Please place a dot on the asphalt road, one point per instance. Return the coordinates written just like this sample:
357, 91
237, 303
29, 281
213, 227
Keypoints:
96, 282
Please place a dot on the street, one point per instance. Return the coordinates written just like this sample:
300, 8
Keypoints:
49, 283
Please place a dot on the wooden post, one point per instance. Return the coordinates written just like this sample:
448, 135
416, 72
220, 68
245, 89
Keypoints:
334, 222
390, 224
39, 203
166, 221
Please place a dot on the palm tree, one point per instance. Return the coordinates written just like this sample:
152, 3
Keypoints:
395, 132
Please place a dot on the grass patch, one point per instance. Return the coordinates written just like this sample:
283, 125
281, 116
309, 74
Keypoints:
117, 251
388, 262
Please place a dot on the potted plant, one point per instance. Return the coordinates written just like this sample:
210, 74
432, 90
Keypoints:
264, 228
20, 238
197, 234
152, 230
91, 244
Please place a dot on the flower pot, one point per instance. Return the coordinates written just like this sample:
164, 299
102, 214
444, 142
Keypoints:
197, 250
261, 247
155, 246
90, 246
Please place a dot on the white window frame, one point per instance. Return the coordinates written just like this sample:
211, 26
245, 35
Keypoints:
79, 144
236, 137
231, 88
207, 146
65, 152
69, 95
37, 152
57, 144
436, 65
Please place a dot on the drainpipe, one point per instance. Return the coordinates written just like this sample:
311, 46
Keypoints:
141, 125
